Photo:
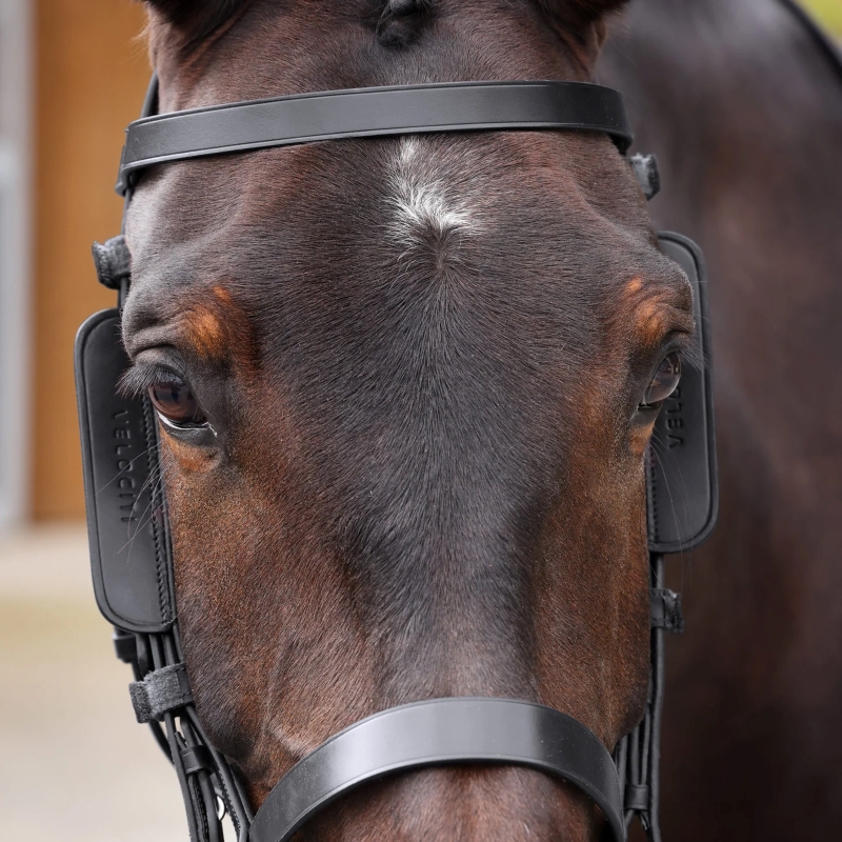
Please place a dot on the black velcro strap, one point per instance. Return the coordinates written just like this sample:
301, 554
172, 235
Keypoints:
373, 112
666, 610
442, 732
162, 691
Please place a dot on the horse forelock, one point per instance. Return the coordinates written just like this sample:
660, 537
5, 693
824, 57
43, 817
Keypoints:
371, 42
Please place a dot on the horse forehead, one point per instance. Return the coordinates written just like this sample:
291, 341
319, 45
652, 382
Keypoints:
269, 201
270, 226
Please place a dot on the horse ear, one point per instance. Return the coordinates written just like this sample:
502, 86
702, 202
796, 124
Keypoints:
196, 18
585, 20
581, 12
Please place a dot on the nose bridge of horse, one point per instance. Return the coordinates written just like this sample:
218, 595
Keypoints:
450, 603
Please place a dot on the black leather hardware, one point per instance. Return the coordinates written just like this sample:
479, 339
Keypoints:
636, 797
125, 646
195, 759
683, 498
113, 262
373, 112
645, 168
126, 518
442, 732
666, 610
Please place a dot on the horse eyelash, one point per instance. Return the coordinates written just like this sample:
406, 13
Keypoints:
136, 381
688, 348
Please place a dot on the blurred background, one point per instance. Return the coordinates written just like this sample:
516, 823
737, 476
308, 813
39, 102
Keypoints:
72, 75
73, 764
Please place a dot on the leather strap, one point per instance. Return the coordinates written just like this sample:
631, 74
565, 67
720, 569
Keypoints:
437, 733
161, 691
372, 112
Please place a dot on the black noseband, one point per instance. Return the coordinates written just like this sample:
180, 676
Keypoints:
442, 732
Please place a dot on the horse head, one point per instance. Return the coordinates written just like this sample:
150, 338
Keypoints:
404, 387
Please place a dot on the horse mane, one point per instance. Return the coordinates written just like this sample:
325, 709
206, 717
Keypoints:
397, 22
400, 21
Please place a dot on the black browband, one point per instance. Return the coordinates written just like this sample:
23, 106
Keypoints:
430, 733
372, 112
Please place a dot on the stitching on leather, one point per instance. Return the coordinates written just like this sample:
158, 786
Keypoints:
226, 794
653, 497
154, 477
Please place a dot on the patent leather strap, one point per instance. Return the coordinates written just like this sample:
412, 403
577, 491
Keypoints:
442, 732
373, 112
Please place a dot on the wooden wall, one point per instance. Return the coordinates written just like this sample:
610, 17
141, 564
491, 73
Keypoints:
90, 77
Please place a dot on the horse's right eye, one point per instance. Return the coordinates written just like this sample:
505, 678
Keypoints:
175, 401
664, 383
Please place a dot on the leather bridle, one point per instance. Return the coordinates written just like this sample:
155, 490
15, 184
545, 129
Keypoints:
139, 600
372, 112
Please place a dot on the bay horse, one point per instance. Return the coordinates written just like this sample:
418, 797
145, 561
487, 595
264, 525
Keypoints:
405, 388
742, 103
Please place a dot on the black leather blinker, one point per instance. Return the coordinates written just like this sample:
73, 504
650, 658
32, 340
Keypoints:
127, 528
683, 499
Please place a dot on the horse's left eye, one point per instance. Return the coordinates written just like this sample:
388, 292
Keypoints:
176, 403
664, 383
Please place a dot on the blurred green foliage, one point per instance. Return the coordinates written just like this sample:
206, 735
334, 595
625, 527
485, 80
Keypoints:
828, 13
